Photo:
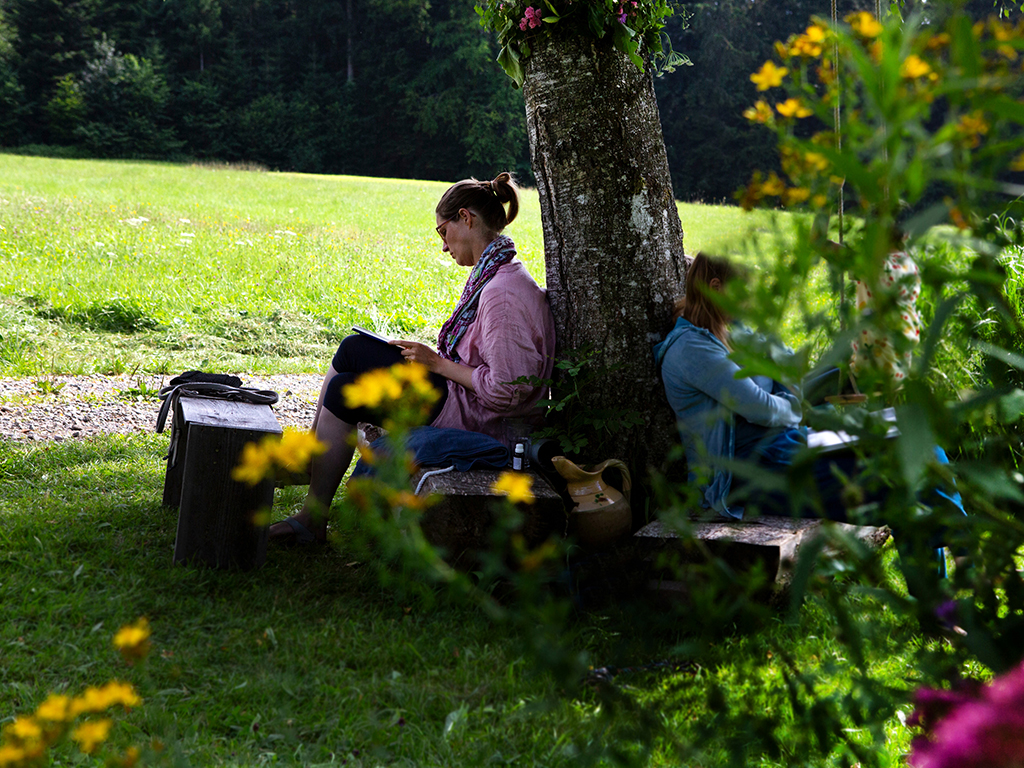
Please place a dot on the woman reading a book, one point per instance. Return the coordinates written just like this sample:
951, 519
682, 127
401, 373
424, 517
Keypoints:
500, 331
724, 419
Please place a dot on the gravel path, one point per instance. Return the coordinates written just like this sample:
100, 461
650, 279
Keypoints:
66, 407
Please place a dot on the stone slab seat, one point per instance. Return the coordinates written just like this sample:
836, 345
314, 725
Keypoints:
773, 541
460, 521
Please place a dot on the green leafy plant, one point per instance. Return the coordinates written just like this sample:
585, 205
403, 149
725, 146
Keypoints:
573, 426
635, 27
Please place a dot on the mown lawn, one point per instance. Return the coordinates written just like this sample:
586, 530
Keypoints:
121, 266
115, 266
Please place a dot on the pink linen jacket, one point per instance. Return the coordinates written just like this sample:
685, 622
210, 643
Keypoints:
513, 336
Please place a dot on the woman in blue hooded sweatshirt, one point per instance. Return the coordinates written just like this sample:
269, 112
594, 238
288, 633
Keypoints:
722, 417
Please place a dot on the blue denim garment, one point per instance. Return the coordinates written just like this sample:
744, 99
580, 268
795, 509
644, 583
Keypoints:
445, 447
702, 388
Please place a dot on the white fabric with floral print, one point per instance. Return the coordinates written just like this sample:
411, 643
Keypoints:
873, 349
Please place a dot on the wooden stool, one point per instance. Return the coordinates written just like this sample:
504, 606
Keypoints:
215, 516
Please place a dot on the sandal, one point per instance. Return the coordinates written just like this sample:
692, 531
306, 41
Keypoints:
300, 534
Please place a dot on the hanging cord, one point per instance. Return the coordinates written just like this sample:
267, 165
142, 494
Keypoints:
837, 118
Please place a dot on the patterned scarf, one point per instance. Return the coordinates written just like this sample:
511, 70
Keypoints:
501, 251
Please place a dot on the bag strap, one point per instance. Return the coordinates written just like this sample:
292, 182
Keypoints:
210, 391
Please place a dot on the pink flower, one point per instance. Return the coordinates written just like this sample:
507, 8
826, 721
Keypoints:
531, 18
971, 727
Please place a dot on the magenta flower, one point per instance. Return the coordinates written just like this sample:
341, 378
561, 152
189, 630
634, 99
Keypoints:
974, 727
531, 18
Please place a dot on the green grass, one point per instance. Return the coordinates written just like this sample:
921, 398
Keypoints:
231, 269
308, 659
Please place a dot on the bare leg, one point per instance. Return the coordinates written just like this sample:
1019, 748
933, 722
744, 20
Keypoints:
331, 373
326, 474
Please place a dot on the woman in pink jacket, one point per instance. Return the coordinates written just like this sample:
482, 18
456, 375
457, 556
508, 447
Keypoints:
501, 330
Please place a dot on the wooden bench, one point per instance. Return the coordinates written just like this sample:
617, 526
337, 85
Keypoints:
215, 513
460, 522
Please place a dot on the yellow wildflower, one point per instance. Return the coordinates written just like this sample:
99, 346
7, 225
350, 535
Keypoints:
793, 108
295, 448
416, 375
769, 76
781, 51
1002, 31
938, 41
1007, 52
914, 67
24, 729
95, 699
254, 465
972, 127
533, 559
773, 185
132, 636
517, 486
759, 113
91, 734
864, 24
372, 388
406, 499
875, 51
808, 44
1018, 163
56, 709
819, 201
795, 195
816, 161
826, 72
12, 755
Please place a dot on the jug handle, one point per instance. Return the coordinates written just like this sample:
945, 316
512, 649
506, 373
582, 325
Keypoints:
620, 465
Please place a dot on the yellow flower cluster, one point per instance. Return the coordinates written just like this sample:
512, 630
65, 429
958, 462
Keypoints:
914, 67
132, 640
517, 486
972, 127
769, 76
761, 112
291, 452
26, 740
386, 385
864, 24
761, 188
793, 108
808, 45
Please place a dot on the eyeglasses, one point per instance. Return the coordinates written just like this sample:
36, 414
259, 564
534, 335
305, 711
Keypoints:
444, 225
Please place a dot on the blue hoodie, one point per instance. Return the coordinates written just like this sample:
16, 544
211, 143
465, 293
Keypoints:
703, 390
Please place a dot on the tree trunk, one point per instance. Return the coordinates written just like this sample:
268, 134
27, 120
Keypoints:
613, 243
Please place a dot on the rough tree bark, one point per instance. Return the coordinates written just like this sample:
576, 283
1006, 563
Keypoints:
613, 243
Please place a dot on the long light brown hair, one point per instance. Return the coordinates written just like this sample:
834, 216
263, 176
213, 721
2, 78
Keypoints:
698, 306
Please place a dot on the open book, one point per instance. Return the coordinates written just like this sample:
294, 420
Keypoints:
828, 441
371, 334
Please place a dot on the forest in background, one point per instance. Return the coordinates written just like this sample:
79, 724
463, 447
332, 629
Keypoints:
385, 88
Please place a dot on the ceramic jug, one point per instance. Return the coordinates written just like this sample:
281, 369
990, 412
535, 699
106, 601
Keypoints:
601, 514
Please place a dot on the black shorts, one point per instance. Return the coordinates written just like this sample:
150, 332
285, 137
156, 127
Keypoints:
358, 354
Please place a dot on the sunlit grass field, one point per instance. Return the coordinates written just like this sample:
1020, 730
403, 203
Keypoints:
120, 266
109, 266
